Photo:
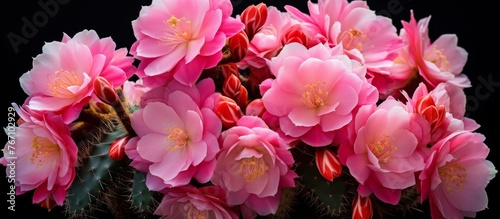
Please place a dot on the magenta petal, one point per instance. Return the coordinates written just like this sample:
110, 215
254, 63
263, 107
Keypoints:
153, 147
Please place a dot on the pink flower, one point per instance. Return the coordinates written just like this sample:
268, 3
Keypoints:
384, 156
426, 61
253, 166
133, 91
316, 91
443, 107
177, 134
62, 77
181, 40
46, 157
267, 42
355, 26
455, 176
190, 202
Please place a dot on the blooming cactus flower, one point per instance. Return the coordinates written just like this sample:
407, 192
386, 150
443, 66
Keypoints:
253, 166
46, 158
384, 156
315, 91
190, 202
426, 61
455, 176
177, 134
354, 25
62, 77
181, 40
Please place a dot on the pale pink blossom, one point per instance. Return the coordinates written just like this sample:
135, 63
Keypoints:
133, 91
177, 133
253, 166
190, 202
421, 60
178, 41
267, 42
384, 155
354, 25
315, 92
45, 158
443, 107
62, 76
455, 176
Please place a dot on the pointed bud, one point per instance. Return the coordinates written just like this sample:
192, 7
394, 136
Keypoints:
295, 34
231, 87
104, 90
328, 163
229, 69
426, 107
48, 203
362, 207
117, 148
255, 108
242, 98
228, 111
254, 17
238, 45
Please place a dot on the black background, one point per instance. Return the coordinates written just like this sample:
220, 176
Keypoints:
474, 23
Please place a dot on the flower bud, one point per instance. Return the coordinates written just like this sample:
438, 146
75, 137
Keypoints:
228, 111
117, 148
255, 108
242, 98
426, 107
238, 45
328, 163
48, 203
104, 90
362, 207
254, 17
231, 86
295, 34
229, 69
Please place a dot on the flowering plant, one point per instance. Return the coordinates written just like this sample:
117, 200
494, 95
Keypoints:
243, 116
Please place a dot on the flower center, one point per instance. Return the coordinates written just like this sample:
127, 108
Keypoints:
178, 30
42, 149
353, 39
252, 168
194, 213
314, 95
178, 136
439, 59
61, 81
383, 148
453, 176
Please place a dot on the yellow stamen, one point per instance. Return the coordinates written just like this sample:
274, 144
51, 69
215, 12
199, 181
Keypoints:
178, 136
42, 148
314, 95
453, 176
252, 168
60, 81
383, 148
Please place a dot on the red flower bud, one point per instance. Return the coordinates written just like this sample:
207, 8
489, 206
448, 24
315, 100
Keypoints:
254, 16
242, 98
362, 208
229, 69
104, 90
231, 86
238, 45
426, 107
328, 163
228, 111
48, 203
295, 34
255, 108
117, 148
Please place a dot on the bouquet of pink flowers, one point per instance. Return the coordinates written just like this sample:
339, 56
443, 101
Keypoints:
209, 115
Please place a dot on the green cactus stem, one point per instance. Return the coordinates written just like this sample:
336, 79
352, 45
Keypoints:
94, 174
